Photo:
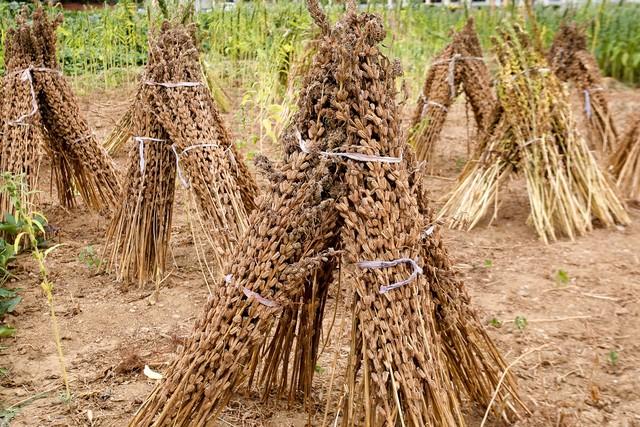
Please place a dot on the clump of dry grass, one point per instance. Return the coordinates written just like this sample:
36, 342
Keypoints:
625, 161
41, 115
347, 184
177, 130
533, 132
458, 67
571, 61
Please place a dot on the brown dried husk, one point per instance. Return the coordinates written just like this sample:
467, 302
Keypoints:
571, 61
79, 163
416, 351
460, 61
221, 189
533, 132
625, 161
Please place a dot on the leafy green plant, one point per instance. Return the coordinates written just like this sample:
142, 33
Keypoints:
9, 298
90, 258
520, 322
613, 357
488, 263
7, 254
29, 236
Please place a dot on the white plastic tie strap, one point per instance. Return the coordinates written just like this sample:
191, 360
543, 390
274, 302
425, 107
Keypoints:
428, 102
82, 138
173, 85
429, 231
250, 294
387, 264
353, 156
26, 76
587, 100
140, 140
587, 103
184, 181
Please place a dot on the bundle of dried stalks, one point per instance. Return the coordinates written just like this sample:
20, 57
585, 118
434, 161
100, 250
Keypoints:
40, 112
177, 129
347, 180
625, 161
571, 61
534, 133
121, 132
460, 65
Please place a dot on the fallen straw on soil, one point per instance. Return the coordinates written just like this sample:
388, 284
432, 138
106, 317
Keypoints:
40, 114
348, 183
533, 132
177, 130
459, 66
571, 61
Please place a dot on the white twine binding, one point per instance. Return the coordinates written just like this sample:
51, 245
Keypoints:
353, 156
173, 85
82, 138
428, 102
27, 76
250, 294
140, 140
185, 183
587, 103
452, 68
386, 264
429, 231
587, 100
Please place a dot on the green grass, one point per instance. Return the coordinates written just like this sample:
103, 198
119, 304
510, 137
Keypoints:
253, 47
256, 36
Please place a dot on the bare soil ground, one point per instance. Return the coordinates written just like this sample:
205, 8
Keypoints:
581, 340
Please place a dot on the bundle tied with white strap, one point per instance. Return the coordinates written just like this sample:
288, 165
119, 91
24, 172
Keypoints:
26, 76
180, 137
41, 118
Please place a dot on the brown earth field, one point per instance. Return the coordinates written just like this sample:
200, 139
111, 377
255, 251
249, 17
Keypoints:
565, 314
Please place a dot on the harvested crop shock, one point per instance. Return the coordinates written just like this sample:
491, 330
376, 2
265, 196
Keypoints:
459, 65
40, 113
177, 130
349, 187
625, 162
571, 61
533, 132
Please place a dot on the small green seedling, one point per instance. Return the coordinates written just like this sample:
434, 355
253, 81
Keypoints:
488, 263
521, 322
90, 258
613, 357
319, 369
495, 323
562, 277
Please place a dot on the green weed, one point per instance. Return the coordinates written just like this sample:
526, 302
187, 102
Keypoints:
520, 322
